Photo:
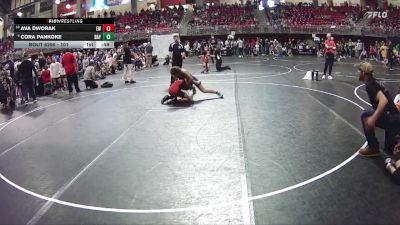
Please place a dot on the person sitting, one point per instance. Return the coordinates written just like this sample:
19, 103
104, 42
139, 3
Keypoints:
89, 77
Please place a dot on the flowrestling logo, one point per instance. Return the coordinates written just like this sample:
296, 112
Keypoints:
375, 14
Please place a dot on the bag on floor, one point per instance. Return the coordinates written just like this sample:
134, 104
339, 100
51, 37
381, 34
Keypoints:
107, 84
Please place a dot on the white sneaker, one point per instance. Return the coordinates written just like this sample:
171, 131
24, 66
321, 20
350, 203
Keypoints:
323, 77
330, 77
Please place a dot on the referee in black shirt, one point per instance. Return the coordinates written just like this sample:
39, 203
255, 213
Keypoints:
178, 52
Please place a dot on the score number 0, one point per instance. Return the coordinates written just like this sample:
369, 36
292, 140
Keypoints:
108, 27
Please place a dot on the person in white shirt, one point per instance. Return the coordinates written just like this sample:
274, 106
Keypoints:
85, 62
55, 74
240, 46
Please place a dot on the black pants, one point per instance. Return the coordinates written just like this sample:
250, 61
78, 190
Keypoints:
73, 79
28, 86
329, 58
91, 84
390, 61
177, 63
219, 66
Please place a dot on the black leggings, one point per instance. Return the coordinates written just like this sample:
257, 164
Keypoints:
329, 58
91, 83
220, 67
396, 175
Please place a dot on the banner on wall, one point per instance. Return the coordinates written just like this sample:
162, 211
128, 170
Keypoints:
113, 2
110, 2
394, 2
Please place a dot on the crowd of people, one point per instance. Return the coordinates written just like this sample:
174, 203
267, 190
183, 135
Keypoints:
286, 16
232, 15
22, 79
387, 24
149, 19
255, 46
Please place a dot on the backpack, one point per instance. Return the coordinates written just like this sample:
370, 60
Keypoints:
107, 84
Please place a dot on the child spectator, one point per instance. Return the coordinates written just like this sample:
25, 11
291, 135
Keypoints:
46, 79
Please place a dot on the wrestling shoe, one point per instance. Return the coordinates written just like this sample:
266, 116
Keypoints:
166, 98
219, 94
368, 152
172, 101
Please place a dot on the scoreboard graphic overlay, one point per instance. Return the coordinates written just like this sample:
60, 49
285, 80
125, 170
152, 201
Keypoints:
64, 33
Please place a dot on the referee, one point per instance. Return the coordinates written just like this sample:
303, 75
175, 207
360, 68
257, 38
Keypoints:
178, 53
330, 49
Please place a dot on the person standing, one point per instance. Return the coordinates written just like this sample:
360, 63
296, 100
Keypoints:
55, 68
69, 63
240, 47
149, 55
85, 62
330, 48
128, 64
24, 74
383, 115
177, 51
390, 55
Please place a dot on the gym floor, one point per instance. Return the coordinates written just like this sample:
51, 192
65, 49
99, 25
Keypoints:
276, 150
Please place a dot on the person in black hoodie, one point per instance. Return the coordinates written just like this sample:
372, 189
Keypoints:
24, 74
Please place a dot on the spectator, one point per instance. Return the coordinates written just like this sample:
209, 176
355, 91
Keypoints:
24, 74
128, 65
149, 55
69, 63
46, 79
55, 68
89, 77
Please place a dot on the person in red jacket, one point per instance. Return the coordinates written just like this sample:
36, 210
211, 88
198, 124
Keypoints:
46, 79
330, 50
69, 63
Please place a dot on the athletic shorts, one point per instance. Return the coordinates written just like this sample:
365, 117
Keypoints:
175, 89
